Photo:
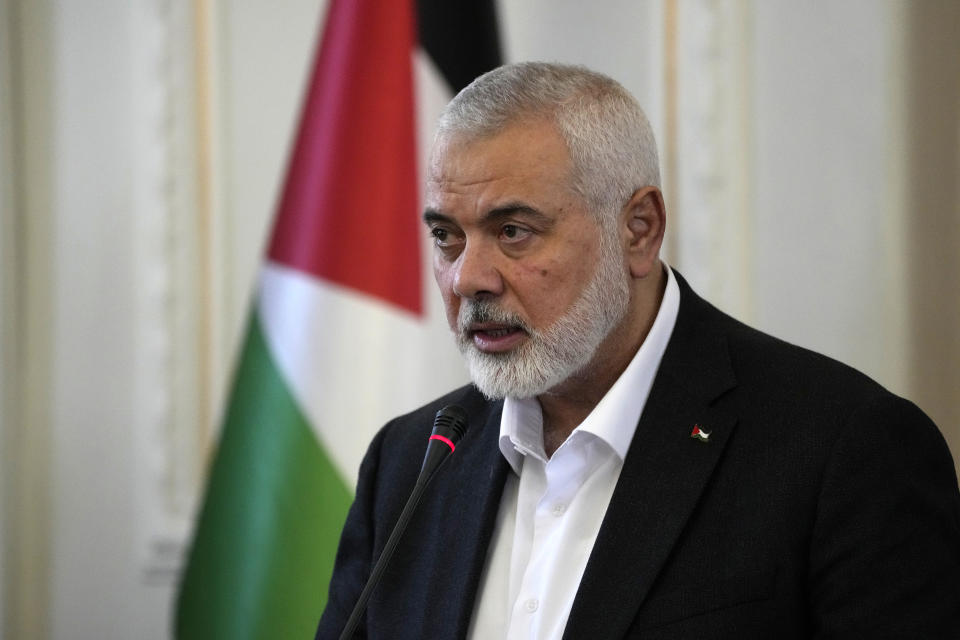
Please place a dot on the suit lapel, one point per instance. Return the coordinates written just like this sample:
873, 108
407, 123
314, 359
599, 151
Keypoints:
468, 501
663, 476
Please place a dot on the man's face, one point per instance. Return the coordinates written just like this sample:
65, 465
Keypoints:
530, 288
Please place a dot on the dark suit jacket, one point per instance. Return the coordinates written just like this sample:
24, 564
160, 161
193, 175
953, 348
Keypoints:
821, 506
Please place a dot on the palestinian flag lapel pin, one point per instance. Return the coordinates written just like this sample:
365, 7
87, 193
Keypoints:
700, 434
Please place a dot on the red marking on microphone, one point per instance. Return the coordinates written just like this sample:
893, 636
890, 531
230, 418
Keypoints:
446, 441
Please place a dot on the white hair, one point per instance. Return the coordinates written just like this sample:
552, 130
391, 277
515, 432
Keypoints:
609, 139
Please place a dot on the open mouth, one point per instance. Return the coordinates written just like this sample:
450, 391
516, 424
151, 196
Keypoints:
495, 338
497, 333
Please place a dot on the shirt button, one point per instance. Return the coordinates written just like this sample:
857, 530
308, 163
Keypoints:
559, 509
532, 605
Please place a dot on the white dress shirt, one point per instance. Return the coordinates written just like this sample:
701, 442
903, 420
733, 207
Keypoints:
552, 508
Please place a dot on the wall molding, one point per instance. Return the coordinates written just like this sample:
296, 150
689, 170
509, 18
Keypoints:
708, 88
28, 307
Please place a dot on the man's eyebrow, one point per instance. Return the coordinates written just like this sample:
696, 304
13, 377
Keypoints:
432, 216
517, 208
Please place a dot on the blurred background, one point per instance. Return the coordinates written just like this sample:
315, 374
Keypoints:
811, 154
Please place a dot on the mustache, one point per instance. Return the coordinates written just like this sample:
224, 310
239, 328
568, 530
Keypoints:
480, 311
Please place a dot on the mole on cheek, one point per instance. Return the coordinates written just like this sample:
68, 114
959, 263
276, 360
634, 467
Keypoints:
543, 272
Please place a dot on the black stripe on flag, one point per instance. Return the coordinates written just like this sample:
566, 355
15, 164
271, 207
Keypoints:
461, 36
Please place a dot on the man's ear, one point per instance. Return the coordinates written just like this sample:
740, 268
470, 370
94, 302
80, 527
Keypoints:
646, 220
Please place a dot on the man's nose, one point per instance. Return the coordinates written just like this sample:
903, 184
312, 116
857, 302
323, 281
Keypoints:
475, 272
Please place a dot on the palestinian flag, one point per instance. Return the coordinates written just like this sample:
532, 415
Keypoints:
343, 334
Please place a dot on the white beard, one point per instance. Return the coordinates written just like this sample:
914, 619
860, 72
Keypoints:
549, 357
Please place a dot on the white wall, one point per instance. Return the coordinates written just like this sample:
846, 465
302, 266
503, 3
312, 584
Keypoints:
826, 182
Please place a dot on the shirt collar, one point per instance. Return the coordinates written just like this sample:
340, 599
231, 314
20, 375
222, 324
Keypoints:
615, 417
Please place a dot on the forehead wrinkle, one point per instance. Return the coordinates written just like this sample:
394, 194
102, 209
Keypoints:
453, 154
447, 182
509, 168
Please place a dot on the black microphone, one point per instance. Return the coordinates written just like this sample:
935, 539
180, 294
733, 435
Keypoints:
448, 427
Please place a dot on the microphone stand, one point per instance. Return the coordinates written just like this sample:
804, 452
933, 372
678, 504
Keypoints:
448, 427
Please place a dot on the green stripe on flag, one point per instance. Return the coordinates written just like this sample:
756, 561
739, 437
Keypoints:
266, 539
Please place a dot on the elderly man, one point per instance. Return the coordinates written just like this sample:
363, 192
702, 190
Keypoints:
638, 464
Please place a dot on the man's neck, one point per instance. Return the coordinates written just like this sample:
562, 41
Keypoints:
561, 415
568, 404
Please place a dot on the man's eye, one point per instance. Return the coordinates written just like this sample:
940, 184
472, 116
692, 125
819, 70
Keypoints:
439, 235
446, 240
513, 233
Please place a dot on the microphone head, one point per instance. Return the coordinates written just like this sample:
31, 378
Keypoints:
451, 422
448, 427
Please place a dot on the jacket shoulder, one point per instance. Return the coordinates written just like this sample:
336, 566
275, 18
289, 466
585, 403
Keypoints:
783, 370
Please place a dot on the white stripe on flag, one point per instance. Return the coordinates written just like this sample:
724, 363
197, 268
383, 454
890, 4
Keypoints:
351, 361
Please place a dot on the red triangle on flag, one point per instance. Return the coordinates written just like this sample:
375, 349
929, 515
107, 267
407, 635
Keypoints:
348, 213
